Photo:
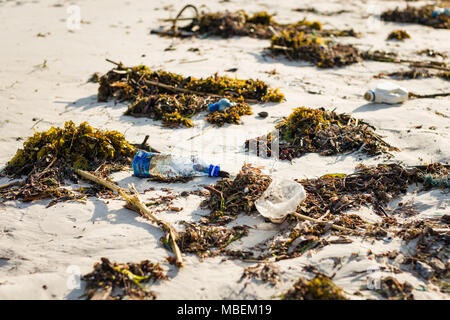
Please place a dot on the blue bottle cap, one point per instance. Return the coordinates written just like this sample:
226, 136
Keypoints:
214, 170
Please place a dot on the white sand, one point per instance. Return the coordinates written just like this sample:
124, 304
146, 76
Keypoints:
40, 246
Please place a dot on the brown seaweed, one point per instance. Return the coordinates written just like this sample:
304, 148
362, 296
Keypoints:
229, 197
116, 281
319, 131
174, 99
319, 288
313, 48
421, 15
261, 25
47, 159
398, 35
201, 239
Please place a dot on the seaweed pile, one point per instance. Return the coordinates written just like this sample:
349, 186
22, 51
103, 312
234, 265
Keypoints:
393, 290
201, 239
422, 15
334, 194
319, 288
261, 25
415, 73
47, 159
229, 197
174, 99
229, 115
368, 186
430, 250
398, 35
313, 48
116, 281
319, 131
265, 272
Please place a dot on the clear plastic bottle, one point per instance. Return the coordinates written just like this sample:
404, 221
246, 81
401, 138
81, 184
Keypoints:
438, 11
387, 92
220, 105
166, 166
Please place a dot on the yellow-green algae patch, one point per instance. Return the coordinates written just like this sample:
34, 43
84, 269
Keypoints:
82, 147
174, 99
47, 159
319, 288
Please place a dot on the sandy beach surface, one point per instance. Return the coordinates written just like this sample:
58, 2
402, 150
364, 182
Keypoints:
43, 83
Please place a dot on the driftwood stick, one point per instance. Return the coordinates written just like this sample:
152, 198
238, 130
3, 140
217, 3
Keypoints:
135, 204
11, 184
178, 17
301, 216
176, 89
423, 96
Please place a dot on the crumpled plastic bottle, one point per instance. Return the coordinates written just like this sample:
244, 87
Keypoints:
166, 166
281, 198
438, 11
220, 105
387, 92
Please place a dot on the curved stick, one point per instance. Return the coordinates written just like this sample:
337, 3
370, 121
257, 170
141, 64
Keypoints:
174, 27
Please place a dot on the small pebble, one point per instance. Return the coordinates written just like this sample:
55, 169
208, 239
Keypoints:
263, 114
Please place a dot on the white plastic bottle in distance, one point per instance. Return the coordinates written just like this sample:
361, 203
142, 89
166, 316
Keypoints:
387, 92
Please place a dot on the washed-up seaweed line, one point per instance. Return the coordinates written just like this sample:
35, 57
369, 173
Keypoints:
226, 24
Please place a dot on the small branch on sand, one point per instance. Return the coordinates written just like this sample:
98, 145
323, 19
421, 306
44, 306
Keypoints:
11, 184
134, 203
424, 96
334, 226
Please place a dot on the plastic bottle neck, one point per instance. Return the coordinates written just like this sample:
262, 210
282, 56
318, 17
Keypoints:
369, 95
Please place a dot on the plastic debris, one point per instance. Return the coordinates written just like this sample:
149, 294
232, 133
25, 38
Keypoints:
167, 167
387, 92
281, 198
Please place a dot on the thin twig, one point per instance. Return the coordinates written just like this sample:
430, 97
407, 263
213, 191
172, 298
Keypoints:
301, 216
176, 89
135, 204
424, 96
11, 184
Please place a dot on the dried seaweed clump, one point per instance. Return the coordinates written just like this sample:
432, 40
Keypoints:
398, 35
332, 195
435, 175
173, 110
174, 99
47, 158
230, 197
429, 259
265, 272
319, 131
324, 53
422, 15
201, 239
319, 288
261, 25
116, 281
82, 147
408, 74
394, 290
369, 185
